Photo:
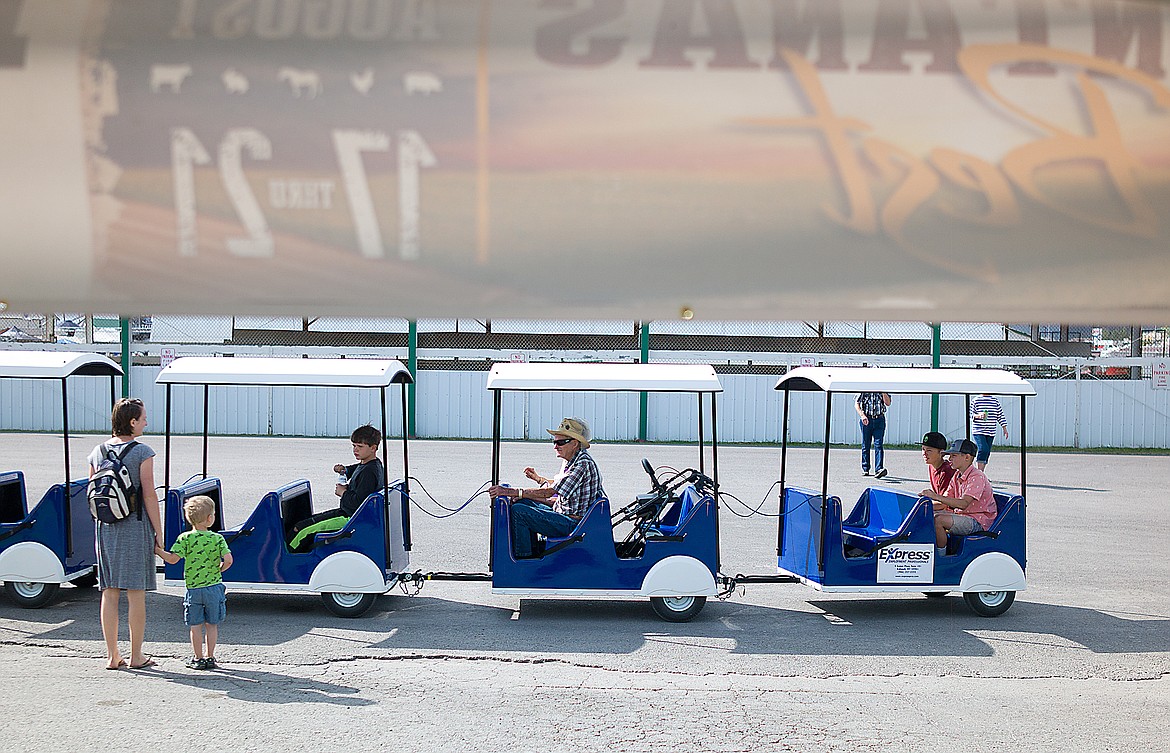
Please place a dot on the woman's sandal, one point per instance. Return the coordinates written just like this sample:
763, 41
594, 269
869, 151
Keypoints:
144, 665
120, 665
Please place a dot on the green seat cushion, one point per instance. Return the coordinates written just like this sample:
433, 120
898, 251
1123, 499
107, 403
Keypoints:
324, 526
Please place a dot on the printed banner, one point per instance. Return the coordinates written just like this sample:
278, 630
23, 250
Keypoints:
769, 159
906, 563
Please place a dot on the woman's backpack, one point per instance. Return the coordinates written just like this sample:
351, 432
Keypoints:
112, 494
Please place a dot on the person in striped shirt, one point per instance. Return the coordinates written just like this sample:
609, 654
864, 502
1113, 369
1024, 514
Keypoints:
986, 415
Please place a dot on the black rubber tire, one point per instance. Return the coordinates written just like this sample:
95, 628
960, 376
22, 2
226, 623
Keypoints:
677, 608
31, 595
989, 603
348, 604
89, 580
935, 594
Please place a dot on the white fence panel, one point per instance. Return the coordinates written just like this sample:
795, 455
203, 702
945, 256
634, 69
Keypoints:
1064, 413
333, 412
453, 404
35, 404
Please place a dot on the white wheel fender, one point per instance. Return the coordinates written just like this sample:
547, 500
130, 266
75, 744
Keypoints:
30, 562
347, 572
678, 576
994, 571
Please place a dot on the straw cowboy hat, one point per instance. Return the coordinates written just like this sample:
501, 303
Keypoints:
574, 428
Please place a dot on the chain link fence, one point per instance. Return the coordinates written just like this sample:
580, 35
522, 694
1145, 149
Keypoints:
746, 347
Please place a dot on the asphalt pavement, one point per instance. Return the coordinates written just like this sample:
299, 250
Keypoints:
1080, 661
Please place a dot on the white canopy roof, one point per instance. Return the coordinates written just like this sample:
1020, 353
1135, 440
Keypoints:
604, 377
285, 372
54, 364
904, 380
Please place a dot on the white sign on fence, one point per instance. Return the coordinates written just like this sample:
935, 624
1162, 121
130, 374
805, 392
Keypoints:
1160, 375
165, 356
808, 361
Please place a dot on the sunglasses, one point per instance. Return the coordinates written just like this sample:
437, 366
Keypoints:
561, 442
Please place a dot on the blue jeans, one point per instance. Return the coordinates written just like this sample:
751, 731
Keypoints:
983, 442
873, 433
530, 518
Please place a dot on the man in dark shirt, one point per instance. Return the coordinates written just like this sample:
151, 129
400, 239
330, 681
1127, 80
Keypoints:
871, 407
363, 478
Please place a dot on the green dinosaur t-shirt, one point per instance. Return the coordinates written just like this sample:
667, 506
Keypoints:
202, 552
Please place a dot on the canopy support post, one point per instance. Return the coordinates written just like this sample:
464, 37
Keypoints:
206, 424
825, 481
783, 470
68, 496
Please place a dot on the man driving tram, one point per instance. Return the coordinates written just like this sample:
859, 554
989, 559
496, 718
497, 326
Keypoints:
556, 505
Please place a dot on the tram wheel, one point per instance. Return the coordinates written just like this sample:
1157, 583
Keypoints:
677, 608
31, 595
348, 604
989, 603
89, 580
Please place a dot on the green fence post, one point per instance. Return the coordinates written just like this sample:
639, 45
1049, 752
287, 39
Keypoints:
412, 366
935, 361
126, 365
643, 398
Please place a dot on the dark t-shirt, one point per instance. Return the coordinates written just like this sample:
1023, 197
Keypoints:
364, 480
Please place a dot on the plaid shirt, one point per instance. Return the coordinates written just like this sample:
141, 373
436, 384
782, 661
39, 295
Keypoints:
578, 485
871, 404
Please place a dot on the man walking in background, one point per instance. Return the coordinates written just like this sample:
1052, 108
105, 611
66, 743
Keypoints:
871, 407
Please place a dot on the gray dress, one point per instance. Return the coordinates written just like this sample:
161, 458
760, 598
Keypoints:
125, 550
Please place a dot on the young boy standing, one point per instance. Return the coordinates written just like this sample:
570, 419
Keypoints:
205, 556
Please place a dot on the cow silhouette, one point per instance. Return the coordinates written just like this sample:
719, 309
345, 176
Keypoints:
234, 81
168, 75
421, 82
362, 82
301, 81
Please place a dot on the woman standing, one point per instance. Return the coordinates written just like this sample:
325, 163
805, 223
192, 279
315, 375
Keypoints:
125, 549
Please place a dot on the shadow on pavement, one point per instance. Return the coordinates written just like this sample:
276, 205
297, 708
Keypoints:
900, 625
265, 687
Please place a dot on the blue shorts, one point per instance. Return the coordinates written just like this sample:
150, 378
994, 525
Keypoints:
983, 442
207, 605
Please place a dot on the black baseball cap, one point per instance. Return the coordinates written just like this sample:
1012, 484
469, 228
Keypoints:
962, 446
934, 439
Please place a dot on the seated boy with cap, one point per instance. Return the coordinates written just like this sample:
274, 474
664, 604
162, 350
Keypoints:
940, 469
968, 505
